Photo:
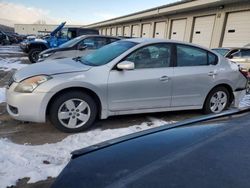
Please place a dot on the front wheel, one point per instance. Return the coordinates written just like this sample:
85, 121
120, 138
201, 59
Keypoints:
217, 100
34, 55
73, 112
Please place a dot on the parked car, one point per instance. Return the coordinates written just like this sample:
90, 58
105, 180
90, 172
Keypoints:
192, 154
239, 55
57, 37
125, 77
77, 47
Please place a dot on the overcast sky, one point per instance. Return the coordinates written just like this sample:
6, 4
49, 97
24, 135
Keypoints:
72, 11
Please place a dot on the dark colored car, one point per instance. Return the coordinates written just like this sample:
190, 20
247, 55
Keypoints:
77, 47
208, 152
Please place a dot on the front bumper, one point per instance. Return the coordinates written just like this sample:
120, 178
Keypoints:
26, 106
24, 47
238, 96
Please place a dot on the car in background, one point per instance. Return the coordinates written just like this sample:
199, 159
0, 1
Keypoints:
129, 76
57, 37
77, 47
241, 56
204, 152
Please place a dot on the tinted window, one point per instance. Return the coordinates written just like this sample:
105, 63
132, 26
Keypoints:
245, 53
153, 56
212, 59
113, 40
70, 43
221, 51
94, 42
107, 53
190, 56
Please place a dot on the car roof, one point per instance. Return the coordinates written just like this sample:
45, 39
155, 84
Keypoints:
155, 40
95, 35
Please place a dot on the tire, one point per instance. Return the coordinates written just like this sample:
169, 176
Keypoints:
33, 55
73, 112
217, 100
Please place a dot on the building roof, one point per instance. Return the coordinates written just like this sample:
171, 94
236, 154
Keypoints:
172, 8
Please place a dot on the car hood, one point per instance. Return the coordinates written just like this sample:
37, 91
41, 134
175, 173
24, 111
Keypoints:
50, 67
53, 50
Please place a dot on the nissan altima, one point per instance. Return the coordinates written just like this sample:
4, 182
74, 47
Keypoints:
125, 77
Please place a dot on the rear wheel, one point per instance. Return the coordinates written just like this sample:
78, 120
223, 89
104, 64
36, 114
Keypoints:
73, 112
34, 55
217, 100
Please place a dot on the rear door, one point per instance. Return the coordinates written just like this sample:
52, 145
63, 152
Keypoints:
194, 75
148, 86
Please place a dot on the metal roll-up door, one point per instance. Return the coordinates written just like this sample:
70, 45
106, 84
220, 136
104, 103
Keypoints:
178, 29
160, 30
135, 31
146, 30
108, 31
127, 31
113, 31
237, 31
119, 31
203, 30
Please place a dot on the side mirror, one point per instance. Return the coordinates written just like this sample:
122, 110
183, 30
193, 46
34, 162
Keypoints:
230, 56
81, 48
126, 65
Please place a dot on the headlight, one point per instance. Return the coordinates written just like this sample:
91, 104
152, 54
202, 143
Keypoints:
28, 85
46, 55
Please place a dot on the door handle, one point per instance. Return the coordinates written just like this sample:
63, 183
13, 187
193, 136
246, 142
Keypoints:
212, 73
164, 78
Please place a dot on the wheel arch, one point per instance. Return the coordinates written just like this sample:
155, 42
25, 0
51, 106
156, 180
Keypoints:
82, 89
229, 89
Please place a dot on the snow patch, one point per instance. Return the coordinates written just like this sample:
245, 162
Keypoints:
42, 161
2, 95
245, 102
10, 63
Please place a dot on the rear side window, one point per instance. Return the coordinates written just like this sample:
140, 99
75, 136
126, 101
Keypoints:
245, 53
212, 59
192, 56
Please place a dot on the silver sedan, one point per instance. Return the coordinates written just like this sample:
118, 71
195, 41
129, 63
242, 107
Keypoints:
126, 77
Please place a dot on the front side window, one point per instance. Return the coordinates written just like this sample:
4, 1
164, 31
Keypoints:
152, 56
107, 53
190, 56
94, 42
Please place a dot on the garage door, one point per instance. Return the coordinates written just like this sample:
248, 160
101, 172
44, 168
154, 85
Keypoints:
113, 31
203, 30
127, 31
119, 31
108, 31
237, 32
135, 31
104, 31
146, 30
178, 29
160, 30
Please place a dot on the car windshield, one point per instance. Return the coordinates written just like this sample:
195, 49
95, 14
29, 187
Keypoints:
107, 53
221, 51
70, 43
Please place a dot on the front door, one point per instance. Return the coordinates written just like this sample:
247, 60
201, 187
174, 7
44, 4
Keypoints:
148, 86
